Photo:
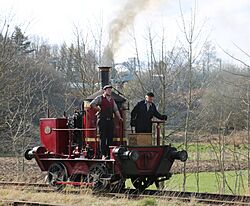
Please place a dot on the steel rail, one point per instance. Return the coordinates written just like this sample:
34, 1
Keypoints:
187, 196
3, 183
26, 203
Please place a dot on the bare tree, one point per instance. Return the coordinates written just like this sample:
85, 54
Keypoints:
246, 101
194, 44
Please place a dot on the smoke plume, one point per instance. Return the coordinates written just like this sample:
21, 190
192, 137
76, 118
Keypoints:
125, 18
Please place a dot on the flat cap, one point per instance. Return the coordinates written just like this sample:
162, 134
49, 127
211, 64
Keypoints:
107, 86
150, 94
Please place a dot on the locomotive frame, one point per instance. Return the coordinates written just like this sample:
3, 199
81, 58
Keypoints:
69, 164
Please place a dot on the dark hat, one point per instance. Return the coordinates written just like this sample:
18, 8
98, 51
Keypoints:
150, 94
107, 86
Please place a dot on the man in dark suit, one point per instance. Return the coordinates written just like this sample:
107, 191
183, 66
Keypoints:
143, 113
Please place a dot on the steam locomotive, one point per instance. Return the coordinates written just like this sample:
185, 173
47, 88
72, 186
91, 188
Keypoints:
68, 163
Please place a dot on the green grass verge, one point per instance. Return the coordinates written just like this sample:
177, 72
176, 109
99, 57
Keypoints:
208, 182
208, 152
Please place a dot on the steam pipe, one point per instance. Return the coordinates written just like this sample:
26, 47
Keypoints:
179, 155
123, 154
29, 154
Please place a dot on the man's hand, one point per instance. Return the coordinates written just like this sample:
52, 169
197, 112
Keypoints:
165, 117
98, 110
117, 113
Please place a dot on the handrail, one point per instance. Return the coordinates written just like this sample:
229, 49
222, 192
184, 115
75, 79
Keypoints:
158, 122
74, 129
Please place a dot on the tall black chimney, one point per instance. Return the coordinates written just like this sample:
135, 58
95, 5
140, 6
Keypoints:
104, 80
104, 75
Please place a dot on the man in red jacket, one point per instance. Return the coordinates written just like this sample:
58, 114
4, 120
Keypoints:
105, 106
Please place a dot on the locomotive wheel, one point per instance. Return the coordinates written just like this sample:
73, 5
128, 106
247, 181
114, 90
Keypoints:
117, 185
141, 183
57, 172
97, 174
159, 185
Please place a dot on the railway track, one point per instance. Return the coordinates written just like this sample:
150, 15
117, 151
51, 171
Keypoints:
38, 187
20, 184
206, 198
27, 203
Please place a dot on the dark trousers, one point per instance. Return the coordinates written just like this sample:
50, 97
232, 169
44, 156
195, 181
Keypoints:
77, 138
106, 130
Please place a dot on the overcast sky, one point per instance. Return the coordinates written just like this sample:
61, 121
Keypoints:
227, 21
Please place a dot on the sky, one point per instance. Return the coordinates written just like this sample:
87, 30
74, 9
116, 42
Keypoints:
226, 22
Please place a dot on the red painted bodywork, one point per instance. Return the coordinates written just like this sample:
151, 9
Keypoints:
56, 144
92, 138
55, 137
89, 122
54, 141
147, 164
149, 159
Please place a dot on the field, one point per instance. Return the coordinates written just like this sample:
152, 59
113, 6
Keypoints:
215, 166
32, 174
209, 182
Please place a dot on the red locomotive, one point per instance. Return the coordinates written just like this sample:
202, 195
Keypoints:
67, 163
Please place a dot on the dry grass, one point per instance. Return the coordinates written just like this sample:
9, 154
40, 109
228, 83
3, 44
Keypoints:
12, 169
84, 199
233, 138
248, 191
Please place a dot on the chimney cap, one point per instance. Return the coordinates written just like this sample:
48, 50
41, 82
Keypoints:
104, 67
107, 86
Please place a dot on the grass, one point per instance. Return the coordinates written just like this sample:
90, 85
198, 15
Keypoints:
212, 182
207, 151
209, 182
83, 199
3, 154
147, 202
